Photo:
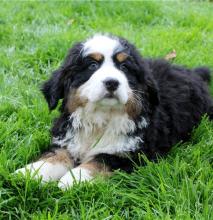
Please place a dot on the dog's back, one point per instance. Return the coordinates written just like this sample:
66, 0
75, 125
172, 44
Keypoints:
184, 99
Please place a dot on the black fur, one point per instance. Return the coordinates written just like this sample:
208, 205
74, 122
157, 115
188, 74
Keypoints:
174, 100
57, 86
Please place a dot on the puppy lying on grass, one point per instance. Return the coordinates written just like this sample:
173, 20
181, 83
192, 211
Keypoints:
115, 105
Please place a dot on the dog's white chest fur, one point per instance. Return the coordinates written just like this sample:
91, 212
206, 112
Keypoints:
99, 132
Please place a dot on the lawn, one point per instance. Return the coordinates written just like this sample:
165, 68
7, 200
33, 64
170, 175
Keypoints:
34, 38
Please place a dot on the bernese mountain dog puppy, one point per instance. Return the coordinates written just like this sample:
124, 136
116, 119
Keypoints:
115, 106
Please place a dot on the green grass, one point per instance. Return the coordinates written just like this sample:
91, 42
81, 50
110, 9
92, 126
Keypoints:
34, 38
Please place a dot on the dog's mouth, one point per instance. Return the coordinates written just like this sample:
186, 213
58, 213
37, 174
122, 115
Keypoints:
110, 99
110, 96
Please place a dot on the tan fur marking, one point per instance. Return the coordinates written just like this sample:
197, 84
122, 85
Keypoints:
96, 56
96, 168
75, 101
61, 156
121, 57
133, 107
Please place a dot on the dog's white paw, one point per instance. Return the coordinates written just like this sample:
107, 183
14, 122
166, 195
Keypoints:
76, 175
44, 170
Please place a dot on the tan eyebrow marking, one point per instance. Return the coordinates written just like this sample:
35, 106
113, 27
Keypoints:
121, 56
96, 56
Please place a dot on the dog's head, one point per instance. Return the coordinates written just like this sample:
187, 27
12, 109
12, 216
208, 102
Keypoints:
106, 72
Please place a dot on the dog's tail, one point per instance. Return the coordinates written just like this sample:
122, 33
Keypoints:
204, 73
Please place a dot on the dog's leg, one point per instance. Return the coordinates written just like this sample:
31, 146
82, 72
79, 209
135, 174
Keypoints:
84, 172
51, 166
102, 164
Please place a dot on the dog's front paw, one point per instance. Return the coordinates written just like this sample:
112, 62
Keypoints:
32, 169
76, 175
44, 170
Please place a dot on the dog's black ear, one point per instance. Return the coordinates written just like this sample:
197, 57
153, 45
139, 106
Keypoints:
144, 74
147, 78
152, 90
53, 89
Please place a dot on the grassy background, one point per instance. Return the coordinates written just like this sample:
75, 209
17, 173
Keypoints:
34, 38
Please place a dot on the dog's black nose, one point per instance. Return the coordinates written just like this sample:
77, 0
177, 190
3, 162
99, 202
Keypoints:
111, 84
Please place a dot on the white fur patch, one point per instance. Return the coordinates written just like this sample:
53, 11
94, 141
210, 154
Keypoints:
102, 44
76, 175
96, 132
142, 123
45, 170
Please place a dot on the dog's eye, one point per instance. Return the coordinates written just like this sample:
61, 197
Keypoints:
123, 67
93, 66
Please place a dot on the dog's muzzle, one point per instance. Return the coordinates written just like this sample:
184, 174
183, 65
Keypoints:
111, 85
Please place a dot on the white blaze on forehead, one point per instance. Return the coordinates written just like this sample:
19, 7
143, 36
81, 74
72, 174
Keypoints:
102, 44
